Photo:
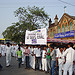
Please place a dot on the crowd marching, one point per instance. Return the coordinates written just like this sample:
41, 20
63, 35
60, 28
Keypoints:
54, 59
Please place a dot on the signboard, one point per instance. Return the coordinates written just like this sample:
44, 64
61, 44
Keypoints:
65, 34
36, 37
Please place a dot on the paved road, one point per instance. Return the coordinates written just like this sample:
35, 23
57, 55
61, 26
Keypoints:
14, 70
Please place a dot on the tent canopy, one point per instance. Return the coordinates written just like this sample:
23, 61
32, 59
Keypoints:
60, 41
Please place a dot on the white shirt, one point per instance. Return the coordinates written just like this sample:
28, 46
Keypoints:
29, 48
47, 49
37, 52
32, 49
69, 53
61, 61
74, 55
3, 48
15, 48
0, 48
8, 50
12, 48
43, 53
23, 50
57, 51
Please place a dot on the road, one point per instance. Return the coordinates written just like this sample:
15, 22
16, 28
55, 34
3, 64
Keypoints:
14, 70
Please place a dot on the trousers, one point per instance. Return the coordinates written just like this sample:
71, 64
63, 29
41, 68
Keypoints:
53, 70
44, 64
33, 65
19, 62
8, 59
48, 65
37, 63
68, 66
27, 62
23, 58
60, 69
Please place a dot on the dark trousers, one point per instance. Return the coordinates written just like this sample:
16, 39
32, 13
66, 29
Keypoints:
1, 67
19, 62
27, 62
37, 62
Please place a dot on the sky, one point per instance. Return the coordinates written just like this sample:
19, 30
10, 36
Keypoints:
51, 7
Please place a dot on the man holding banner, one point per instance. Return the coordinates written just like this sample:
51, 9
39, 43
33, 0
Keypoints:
37, 53
36, 37
27, 52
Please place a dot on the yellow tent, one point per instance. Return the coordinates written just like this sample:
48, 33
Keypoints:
2, 39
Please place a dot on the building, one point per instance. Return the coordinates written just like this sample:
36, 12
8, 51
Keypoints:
64, 29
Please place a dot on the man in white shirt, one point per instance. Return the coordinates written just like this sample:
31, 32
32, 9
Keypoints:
60, 60
57, 50
37, 53
69, 53
3, 50
31, 57
23, 55
0, 56
11, 50
74, 63
0, 50
8, 54
15, 48
44, 60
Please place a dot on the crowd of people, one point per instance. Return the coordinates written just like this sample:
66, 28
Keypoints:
56, 59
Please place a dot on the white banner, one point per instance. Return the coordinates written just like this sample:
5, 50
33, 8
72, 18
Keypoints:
36, 37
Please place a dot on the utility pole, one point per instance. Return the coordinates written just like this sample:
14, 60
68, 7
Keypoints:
74, 34
64, 9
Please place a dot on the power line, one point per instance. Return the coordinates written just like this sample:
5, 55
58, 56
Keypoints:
66, 3
26, 6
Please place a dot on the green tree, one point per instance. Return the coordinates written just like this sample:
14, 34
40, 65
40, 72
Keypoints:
29, 19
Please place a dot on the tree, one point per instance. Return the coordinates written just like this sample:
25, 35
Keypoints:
29, 19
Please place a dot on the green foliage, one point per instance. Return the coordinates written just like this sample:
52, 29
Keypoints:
31, 18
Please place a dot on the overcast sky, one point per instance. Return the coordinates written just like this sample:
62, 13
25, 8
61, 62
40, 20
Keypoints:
52, 7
